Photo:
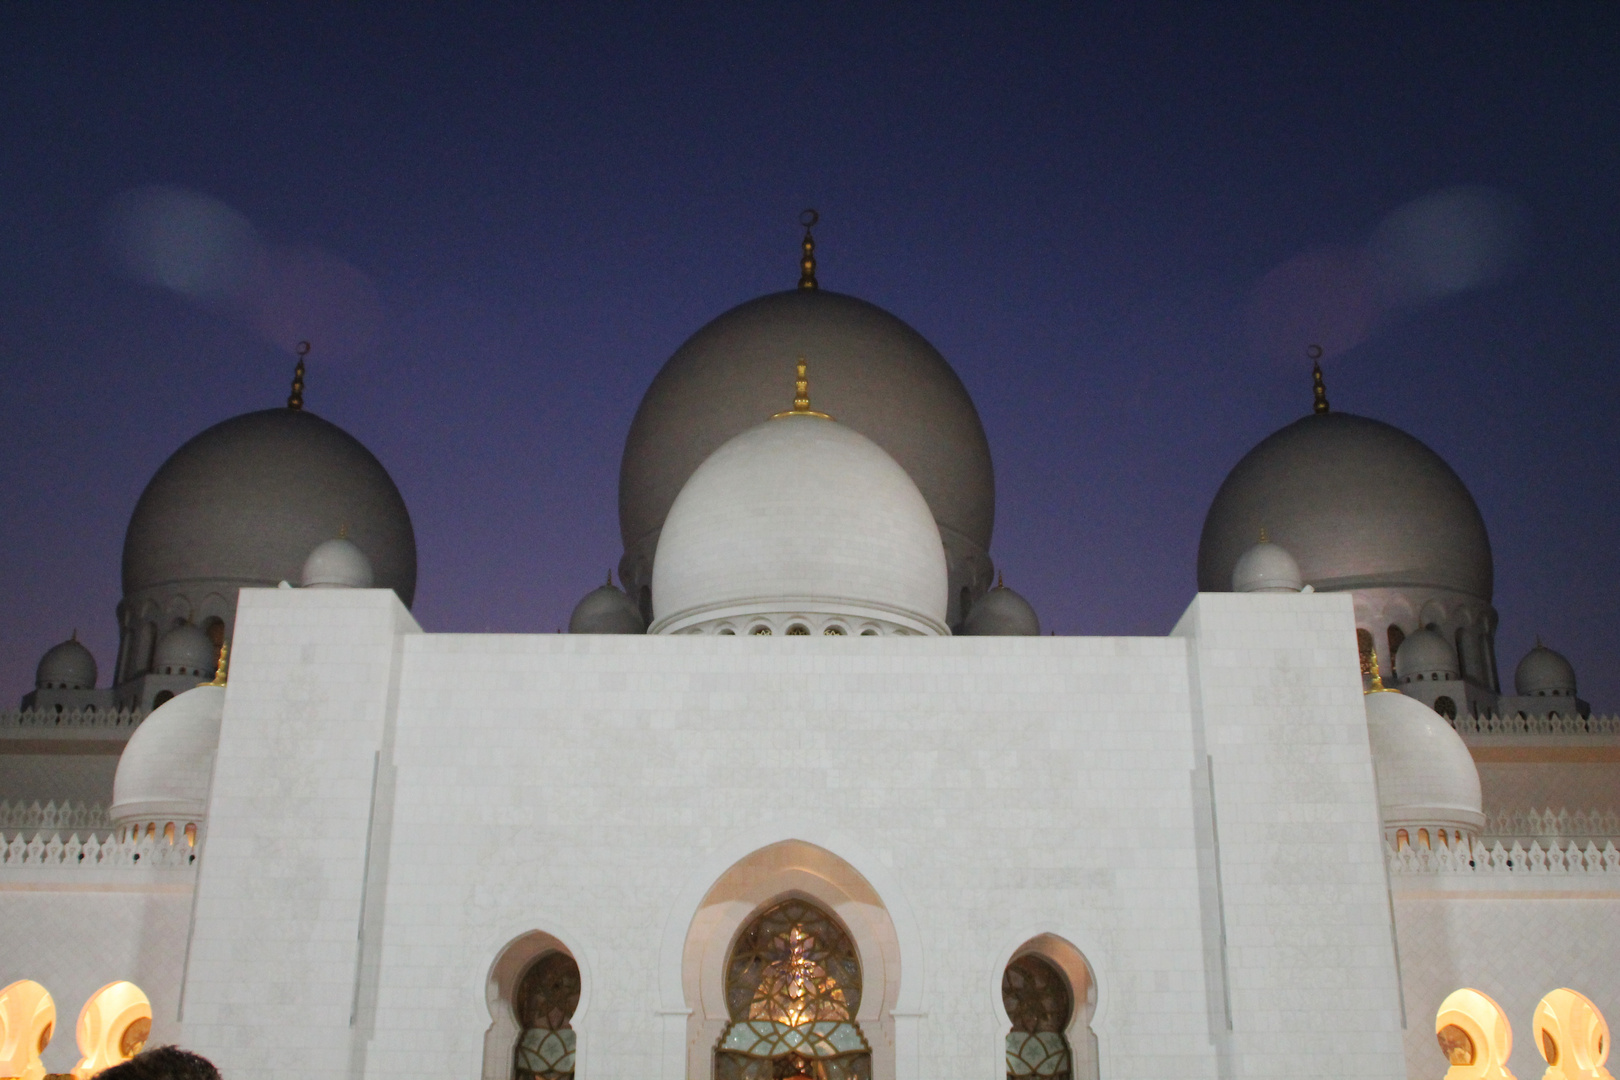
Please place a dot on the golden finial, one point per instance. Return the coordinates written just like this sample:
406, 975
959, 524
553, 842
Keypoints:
610, 577
219, 672
1321, 403
1377, 686
807, 261
343, 531
1263, 539
801, 397
295, 400
1000, 581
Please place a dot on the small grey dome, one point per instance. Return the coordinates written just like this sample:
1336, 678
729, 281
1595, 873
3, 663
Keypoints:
606, 610
1001, 612
337, 564
185, 650
1428, 654
68, 666
1544, 673
1359, 503
244, 502
1266, 567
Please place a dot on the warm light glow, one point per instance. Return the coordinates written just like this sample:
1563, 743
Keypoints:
1475, 1036
113, 1026
1572, 1036
27, 1021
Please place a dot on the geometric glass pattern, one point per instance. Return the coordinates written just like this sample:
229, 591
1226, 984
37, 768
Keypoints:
1036, 997
793, 987
547, 995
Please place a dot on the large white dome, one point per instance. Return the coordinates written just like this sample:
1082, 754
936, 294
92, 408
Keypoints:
1426, 776
800, 525
163, 772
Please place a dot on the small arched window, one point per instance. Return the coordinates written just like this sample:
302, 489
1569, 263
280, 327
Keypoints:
1396, 636
1445, 707
162, 696
546, 998
1039, 1004
1401, 839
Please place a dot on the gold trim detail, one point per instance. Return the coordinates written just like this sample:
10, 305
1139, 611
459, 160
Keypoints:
801, 397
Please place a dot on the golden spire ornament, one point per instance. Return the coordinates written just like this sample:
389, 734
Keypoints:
807, 261
295, 400
801, 397
1320, 405
219, 671
1377, 686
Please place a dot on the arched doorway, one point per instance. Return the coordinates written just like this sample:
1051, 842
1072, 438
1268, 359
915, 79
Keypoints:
793, 990
547, 995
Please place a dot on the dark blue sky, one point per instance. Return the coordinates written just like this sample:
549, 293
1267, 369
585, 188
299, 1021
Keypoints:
502, 220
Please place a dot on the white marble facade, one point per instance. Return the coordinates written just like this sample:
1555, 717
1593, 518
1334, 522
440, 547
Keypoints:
391, 810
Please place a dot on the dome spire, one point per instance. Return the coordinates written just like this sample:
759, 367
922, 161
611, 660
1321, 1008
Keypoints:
807, 261
1321, 403
1377, 686
295, 400
801, 396
219, 671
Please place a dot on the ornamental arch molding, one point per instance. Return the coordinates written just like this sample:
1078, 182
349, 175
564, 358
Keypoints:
512, 962
754, 883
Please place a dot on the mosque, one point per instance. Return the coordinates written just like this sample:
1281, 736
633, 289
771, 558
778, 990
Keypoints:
1290, 837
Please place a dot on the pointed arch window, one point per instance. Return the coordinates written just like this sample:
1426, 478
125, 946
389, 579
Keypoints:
546, 998
1039, 1004
793, 988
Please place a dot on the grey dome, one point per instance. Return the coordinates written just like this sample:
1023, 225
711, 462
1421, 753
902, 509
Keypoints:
185, 650
1358, 503
337, 564
1544, 672
1001, 612
246, 501
1266, 567
606, 610
68, 666
869, 370
1426, 653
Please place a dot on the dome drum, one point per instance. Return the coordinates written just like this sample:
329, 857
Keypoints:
779, 616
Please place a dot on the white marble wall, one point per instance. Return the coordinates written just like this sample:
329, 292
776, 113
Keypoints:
272, 980
1309, 953
594, 788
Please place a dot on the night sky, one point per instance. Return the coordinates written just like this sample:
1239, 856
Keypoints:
1121, 224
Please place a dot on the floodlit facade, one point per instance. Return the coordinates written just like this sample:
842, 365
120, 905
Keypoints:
811, 796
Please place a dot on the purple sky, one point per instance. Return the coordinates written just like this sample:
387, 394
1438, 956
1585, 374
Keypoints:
1120, 224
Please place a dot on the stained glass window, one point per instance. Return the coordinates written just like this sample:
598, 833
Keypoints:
1038, 1002
547, 995
793, 987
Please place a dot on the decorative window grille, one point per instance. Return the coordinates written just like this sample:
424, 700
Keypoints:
547, 995
1038, 1002
793, 988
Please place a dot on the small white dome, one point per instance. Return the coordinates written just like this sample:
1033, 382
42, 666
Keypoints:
185, 650
1002, 613
1266, 567
164, 769
68, 666
606, 610
337, 564
1544, 672
1426, 654
800, 516
1426, 776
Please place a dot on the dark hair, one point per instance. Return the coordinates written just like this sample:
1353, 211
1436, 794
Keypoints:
163, 1063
